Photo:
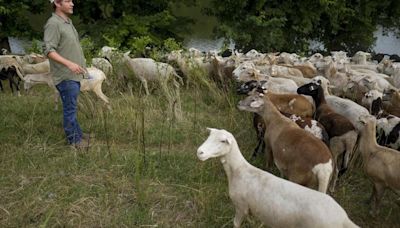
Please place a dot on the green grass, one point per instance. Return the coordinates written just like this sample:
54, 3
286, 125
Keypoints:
142, 169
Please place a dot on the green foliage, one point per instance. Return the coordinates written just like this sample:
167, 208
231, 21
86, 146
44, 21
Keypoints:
271, 25
130, 26
89, 49
35, 47
171, 44
14, 17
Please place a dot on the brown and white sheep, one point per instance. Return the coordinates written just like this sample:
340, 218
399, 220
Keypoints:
299, 156
342, 133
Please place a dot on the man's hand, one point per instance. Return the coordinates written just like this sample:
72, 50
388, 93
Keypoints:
75, 68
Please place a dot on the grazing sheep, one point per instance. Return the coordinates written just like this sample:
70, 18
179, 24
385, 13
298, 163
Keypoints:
299, 155
148, 70
275, 201
380, 163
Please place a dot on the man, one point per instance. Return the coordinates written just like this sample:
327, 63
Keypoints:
67, 64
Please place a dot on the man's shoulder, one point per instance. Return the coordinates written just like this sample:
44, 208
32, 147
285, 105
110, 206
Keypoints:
52, 20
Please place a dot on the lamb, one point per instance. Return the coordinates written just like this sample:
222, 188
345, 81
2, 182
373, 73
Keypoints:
300, 156
275, 201
380, 163
94, 82
342, 133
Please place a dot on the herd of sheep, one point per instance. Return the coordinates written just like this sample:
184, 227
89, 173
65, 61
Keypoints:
314, 117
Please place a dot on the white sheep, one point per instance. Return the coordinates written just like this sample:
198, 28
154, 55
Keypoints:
275, 201
93, 83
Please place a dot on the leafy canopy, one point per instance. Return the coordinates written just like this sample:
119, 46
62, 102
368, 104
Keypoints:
272, 25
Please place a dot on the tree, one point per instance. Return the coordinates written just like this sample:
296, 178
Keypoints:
14, 17
134, 25
272, 25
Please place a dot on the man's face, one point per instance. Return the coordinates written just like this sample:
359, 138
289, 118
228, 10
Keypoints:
66, 6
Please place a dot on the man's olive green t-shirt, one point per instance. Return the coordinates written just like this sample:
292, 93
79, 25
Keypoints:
61, 36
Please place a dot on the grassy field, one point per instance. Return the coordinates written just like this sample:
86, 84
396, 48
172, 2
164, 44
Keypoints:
142, 169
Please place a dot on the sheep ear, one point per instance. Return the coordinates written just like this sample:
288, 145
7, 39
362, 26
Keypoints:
210, 129
226, 140
127, 53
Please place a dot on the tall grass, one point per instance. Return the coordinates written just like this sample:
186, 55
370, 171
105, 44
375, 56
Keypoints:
141, 170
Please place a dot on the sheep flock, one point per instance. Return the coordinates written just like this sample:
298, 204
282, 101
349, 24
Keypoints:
315, 118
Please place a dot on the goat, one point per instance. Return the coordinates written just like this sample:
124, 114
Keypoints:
380, 163
275, 201
300, 156
342, 133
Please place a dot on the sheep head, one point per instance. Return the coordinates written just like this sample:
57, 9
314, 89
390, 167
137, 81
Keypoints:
311, 89
217, 144
249, 86
252, 103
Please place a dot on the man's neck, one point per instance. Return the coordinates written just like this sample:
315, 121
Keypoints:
62, 15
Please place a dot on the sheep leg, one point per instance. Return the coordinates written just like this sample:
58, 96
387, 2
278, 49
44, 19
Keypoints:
261, 145
377, 194
269, 158
146, 88
334, 174
350, 143
1, 86
97, 90
240, 213
324, 175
